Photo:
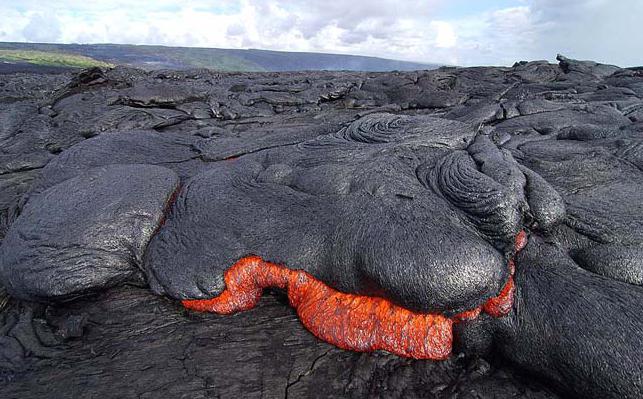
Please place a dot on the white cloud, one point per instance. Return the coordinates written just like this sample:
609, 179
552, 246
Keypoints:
445, 37
408, 29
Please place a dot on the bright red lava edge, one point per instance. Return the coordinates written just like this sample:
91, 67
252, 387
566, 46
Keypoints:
354, 322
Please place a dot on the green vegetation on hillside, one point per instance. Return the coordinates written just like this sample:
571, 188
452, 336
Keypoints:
150, 57
51, 58
195, 57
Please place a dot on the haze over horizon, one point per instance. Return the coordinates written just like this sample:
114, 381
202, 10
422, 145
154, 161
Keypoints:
457, 32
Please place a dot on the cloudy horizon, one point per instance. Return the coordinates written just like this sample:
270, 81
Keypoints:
456, 32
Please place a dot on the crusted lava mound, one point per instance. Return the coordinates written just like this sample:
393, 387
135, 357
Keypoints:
489, 218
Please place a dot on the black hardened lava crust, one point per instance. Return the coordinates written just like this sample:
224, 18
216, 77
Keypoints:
123, 192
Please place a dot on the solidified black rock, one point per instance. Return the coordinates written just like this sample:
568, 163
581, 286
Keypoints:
322, 206
410, 186
86, 233
543, 334
172, 151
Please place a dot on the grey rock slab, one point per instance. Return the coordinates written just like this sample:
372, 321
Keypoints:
86, 233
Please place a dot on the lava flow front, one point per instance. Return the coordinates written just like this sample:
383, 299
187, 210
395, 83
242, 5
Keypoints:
353, 322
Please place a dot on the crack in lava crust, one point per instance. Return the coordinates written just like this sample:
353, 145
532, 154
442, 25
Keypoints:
354, 322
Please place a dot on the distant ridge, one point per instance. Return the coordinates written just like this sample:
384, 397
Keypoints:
162, 57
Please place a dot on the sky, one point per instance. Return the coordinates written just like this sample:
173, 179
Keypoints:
456, 32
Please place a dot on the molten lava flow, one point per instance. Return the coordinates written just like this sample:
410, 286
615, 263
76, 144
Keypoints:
354, 322
520, 241
501, 305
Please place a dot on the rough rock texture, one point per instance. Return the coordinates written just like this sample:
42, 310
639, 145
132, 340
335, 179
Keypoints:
130, 343
556, 295
410, 186
320, 207
85, 233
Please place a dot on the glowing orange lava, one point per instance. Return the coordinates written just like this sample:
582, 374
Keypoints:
354, 322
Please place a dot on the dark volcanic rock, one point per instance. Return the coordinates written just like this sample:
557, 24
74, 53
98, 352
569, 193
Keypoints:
542, 335
172, 151
321, 205
603, 192
138, 345
411, 186
86, 233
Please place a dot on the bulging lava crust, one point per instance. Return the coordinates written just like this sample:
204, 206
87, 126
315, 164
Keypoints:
354, 322
360, 210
